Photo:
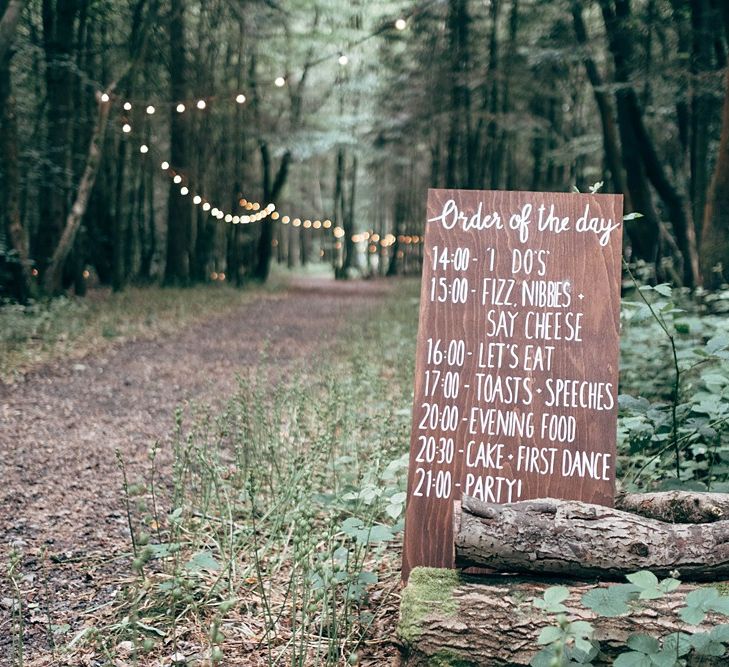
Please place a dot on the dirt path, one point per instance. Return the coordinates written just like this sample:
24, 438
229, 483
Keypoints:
60, 483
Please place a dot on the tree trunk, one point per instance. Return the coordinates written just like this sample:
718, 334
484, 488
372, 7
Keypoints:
54, 272
451, 621
58, 25
610, 140
581, 540
10, 184
179, 216
715, 231
8, 23
639, 153
272, 188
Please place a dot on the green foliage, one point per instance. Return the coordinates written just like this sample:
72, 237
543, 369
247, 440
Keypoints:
673, 427
572, 642
281, 512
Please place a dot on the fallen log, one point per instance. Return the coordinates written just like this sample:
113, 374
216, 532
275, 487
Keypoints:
453, 621
579, 540
676, 506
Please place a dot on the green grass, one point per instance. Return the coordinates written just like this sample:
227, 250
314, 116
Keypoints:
70, 327
274, 539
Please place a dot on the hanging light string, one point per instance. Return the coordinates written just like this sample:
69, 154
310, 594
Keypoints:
341, 55
254, 211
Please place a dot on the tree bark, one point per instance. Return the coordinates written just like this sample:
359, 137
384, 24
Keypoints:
54, 272
179, 212
640, 157
449, 620
576, 539
8, 24
10, 184
676, 506
715, 230
610, 140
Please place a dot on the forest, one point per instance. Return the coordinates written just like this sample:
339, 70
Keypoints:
218, 313
144, 142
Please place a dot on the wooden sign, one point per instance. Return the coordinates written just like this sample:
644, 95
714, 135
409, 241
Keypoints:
517, 357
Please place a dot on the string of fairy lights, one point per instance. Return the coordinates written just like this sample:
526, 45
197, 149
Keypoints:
251, 211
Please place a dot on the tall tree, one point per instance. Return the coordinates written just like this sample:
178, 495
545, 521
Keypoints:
10, 218
715, 231
179, 213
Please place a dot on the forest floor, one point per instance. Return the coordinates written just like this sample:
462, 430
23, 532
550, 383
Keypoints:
62, 510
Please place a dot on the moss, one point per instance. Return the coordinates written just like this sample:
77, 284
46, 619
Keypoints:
428, 589
722, 587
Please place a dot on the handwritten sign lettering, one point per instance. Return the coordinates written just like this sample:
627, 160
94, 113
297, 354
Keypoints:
517, 357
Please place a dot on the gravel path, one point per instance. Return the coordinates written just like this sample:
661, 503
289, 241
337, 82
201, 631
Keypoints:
59, 430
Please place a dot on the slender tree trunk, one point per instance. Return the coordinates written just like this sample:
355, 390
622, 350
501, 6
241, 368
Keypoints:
350, 248
639, 153
179, 216
12, 11
10, 185
54, 272
58, 25
272, 187
610, 140
715, 232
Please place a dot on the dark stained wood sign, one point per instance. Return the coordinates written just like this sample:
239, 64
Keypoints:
517, 357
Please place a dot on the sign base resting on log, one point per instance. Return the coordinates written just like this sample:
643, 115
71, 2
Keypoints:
517, 357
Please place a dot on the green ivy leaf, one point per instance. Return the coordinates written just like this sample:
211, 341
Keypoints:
643, 644
202, 560
632, 659
720, 633
581, 629
550, 634
677, 644
664, 289
552, 599
611, 601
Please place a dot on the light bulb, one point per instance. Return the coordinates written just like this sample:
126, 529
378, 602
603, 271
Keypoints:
229, 218
285, 220
126, 128
280, 82
206, 206
165, 165
201, 104
317, 224
245, 219
127, 106
196, 199
240, 99
144, 148
214, 212
150, 109
401, 24
343, 60
104, 97
177, 178
236, 219
184, 190
180, 108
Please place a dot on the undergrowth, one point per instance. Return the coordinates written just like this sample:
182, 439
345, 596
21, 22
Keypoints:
276, 536
72, 327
